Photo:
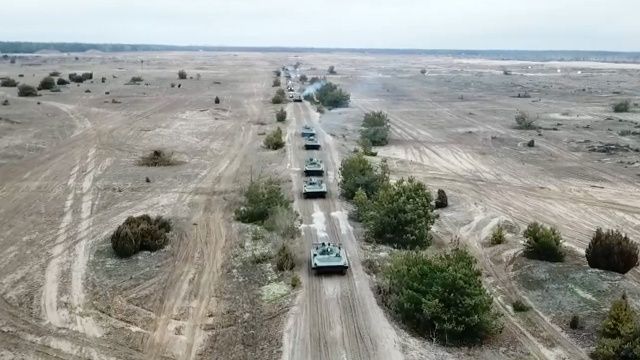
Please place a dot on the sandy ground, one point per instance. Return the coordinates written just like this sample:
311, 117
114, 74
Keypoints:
68, 177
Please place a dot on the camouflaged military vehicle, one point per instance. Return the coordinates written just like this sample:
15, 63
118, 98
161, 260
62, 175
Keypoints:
313, 167
314, 188
307, 131
328, 257
311, 143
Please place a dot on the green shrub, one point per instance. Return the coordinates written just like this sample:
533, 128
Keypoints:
423, 71
216, 100
273, 140
303, 78
157, 158
277, 73
543, 243
140, 233
73, 77
8, 82
401, 215
356, 172
277, 99
182, 75
520, 306
331, 96
375, 128
360, 204
366, 147
281, 115
332, 70
441, 200
295, 281
47, 83
497, 236
575, 322
276, 82
62, 81
440, 295
524, 121
619, 336
285, 261
283, 220
261, 198
613, 251
621, 106
27, 90
87, 76
314, 80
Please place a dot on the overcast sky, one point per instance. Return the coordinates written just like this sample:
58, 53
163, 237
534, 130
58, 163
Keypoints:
426, 24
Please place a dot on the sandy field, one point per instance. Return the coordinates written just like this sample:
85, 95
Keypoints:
69, 176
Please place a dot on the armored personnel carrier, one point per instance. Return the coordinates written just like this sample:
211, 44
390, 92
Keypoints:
313, 167
314, 188
328, 257
297, 98
307, 131
311, 143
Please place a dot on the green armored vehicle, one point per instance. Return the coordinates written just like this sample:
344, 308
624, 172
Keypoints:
314, 188
307, 131
328, 257
313, 167
311, 143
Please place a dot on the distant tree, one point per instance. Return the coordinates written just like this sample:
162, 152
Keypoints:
621, 106
182, 75
8, 82
497, 236
276, 82
423, 71
375, 128
273, 140
441, 200
332, 70
62, 81
619, 336
332, 96
216, 100
303, 78
261, 198
523, 121
356, 172
281, 115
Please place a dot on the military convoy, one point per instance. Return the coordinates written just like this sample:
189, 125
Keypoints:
313, 167
311, 143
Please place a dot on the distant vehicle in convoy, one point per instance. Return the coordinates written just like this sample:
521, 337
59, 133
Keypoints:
311, 143
290, 88
291, 95
313, 167
308, 131
314, 188
328, 257
297, 98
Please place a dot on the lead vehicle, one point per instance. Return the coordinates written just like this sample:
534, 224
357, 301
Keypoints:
328, 257
314, 188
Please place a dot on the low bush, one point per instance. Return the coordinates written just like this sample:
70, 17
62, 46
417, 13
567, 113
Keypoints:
62, 81
332, 96
47, 83
375, 128
87, 76
157, 158
27, 90
524, 121
401, 215
140, 233
531, 143
182, 75
441, 200
295, 281
281, 115
8, 82
423, 71
54, 73
5, 102
277, 99
103, 79
276, 82
619, 337
135, 80
73, 77
314, 80
216, 100
543, 243
611, 250
273, 140
519, 306
356, 172
303, 78
366, 147
497, 236
284, 221
261, 198
621, 106
575, 322
440, 296
285, 261
331, 70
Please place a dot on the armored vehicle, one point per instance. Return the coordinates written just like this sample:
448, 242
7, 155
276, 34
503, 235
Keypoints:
314, 188
311, 143
328, 257
313, 167
297, 98
308, 131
